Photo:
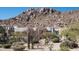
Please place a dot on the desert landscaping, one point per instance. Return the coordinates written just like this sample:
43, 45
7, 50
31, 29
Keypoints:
41, 29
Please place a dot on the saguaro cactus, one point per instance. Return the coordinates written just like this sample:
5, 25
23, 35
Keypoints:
30, 38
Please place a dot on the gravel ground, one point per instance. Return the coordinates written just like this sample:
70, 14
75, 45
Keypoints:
2, 49
55, 47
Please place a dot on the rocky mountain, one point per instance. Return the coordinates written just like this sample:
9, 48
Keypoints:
42, 17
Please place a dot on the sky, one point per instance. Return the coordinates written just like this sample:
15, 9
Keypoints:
9, 12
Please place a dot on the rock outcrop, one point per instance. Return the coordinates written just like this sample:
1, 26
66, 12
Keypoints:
42, 17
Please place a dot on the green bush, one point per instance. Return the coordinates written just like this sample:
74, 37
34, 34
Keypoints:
7, 45
56, 40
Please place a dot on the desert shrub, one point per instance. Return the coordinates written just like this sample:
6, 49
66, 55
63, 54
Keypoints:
69, 44
64, 49
56, 40
72, 32
0, 45
72, 45
18, 46
50, 47
17, 37
12, 40
71, 39
49, 35
64, 46
18, 43
6, 45
2, 30
4, 39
